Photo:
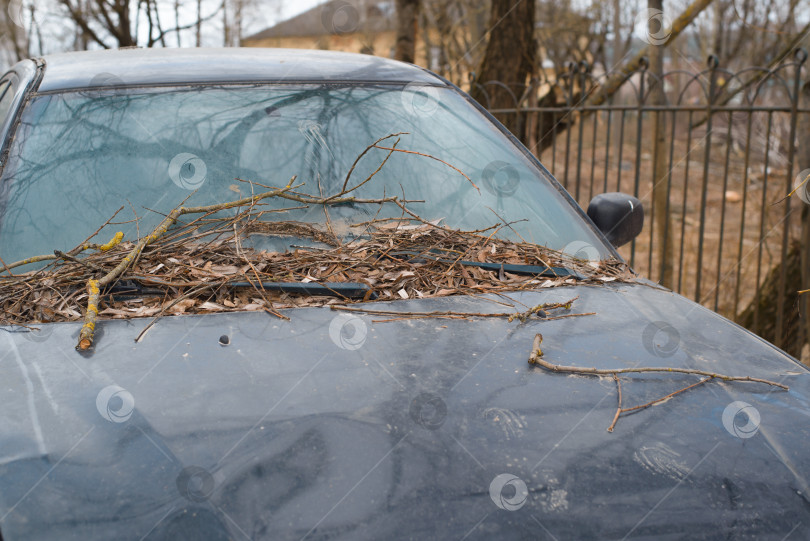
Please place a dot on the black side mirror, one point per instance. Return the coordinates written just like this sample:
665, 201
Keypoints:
619, 216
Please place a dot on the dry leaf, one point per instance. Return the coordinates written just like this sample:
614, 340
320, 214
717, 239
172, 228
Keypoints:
224, 269
181, 306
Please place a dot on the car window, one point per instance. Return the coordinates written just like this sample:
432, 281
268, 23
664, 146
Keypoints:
6, 99
80, 156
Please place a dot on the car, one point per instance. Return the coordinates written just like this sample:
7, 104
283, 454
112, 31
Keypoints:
454, 411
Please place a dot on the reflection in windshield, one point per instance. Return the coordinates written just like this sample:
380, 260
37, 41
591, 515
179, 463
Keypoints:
79, 157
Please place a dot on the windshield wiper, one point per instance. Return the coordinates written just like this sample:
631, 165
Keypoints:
348, 290
523, 270
526, 270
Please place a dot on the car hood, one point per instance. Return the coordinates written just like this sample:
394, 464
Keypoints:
338, 425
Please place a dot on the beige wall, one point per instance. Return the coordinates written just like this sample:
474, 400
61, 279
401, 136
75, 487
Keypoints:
382, 43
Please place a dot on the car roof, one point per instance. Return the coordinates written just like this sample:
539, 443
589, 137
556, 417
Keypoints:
150, 67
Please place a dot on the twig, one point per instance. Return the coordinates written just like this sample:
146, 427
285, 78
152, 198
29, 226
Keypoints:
456, 169
462, 315
357, 160
68, 257
5, 267
449, 314
788, 196
28, 261
90, 316
81, 248
540, 310
168, 306
619, 408
535, 358
663, 398
96, 232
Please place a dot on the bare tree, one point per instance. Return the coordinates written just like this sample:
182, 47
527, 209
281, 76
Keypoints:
511, 53
407, 19
566, 33
15, 37
742, 33
114, 23
453, 31
233, 21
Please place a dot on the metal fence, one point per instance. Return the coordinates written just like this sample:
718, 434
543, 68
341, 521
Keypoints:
732, 154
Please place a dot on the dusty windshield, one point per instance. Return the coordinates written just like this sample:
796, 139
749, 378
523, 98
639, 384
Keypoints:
78, 157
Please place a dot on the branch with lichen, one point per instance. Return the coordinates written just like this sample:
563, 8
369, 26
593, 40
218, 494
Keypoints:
87, 332
540, 310
60, 255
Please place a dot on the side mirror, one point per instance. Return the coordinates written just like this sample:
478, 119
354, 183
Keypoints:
619, 216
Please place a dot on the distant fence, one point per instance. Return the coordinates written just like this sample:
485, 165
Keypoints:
734, 147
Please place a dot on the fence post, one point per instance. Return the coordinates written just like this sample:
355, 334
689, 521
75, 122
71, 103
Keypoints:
531, 117
713, 64
642, 70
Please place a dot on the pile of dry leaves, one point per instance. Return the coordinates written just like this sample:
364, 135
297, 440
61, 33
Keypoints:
202, 269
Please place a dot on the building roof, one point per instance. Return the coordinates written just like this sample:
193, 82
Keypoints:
133, 67
335, 17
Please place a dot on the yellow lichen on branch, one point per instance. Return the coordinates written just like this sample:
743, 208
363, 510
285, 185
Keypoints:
113, 242
28, 261
89, 327
90, 317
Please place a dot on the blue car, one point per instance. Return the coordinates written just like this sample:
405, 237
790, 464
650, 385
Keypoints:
328, 423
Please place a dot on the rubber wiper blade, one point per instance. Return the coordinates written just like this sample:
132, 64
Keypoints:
350, 290
524, 270
127, 289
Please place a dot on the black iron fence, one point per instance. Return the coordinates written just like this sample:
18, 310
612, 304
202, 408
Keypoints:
732, 147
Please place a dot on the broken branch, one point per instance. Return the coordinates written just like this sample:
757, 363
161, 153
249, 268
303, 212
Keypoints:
536, 358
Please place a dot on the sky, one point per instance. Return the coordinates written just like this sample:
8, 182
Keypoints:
266, 13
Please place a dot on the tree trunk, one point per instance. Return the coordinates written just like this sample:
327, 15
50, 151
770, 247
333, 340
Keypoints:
620, 74
407, 22
510, 57
795, 308
803, 160
125, 37
790, 338
662, 226
198, 26
618, 50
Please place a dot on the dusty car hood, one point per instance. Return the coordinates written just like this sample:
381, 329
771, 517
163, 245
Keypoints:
335, 426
